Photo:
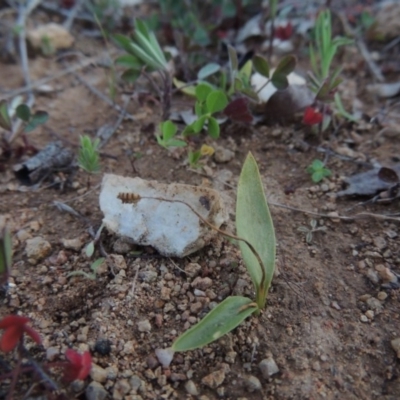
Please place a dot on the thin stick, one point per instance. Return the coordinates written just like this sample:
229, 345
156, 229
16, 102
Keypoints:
72, 15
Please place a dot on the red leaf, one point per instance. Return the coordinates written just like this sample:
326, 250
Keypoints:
238, 110
284, 32
312, 116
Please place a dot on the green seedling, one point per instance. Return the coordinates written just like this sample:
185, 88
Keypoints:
92, 275
88, 156
256, 239
310, 231
167, 137
318, 171
5, 255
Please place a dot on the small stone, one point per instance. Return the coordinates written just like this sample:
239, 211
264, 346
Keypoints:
374, 304
372, 276
382, 296
252, 383
223, 155
148, 276
324, 187
193, 269
98, 374
396, 346
335, 305
121, 388
386, 274
129, 347
95, 391
191, 388
144, 326
36, 249
116, 262
391, 234
214, 379
369, 314
202, 283
112, 372
333, 215
73, 244
135, 383
103, 347
57, 37
380, 242
23, 235
364, 318
122, 246
52, 353
268, 367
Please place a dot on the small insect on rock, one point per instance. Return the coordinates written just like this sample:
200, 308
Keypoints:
129, 198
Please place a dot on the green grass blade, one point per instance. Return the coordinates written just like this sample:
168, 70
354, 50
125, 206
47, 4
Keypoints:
254, 223
218, 322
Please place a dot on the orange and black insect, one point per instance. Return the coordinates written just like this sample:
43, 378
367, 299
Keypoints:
128, 198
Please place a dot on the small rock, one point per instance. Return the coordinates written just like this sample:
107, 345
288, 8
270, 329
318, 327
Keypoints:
324, 187
123, 245
103, 347
380, 243
385, 274
23, 235
333, 215
148, 276
129, 347
191, 388
112, 372
374, 304
396, 346
372, 275
116, 262
202, 283
382, 296
135, 383
391, 234
223, 155
73, 244
52, 353
335, 305
369, 314
214, 379
364, 318
36, 249
144, 326
252, 383
193, 269
95, 391
121, 388
98, 374
268, 367
56, 36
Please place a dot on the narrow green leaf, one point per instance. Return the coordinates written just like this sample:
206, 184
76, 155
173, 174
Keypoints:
129, 61
39, 118
254, 223
197, 125
203, 90
219, 321
341, 110
176, 143
169, 129
5, 255
89, 250
261, 65
286, 65
279, 81
5, 121
131, 75
207, 70
123, 42
213, 128
23, 112
96, 264
216, 101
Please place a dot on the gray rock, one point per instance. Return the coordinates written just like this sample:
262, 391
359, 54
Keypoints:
191, 388
144, 326
98, 374
380, 243
223, 155
214, 379
268, 367
135, 383
36, 249
52, 353
95, 391
121, 388
148, 276
73, 244
252, 383
396, 346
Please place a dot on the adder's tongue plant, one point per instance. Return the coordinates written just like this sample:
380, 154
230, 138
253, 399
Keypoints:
256, 237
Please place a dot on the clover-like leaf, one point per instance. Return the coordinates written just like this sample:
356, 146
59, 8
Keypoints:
207, 70
261, 65
23, 112
213, 128
39, 118
216, 101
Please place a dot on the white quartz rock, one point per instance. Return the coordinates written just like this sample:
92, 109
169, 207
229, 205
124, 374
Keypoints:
170, 227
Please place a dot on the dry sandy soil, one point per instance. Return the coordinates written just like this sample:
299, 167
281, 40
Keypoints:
330, 318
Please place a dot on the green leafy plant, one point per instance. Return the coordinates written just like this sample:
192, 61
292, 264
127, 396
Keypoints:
94, 266
309, 232
5, 255
318, 171
167, 137
88, 156
256, 239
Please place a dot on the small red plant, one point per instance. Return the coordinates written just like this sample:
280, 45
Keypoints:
312, 116
78, 367
15, 327
284, 32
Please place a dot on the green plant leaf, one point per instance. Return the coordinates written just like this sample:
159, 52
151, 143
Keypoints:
226, 316
207, 70
5, 121
216, 101
5, 255
89, 250
279, 81
129, 61
261, 65
131, 75
317, 176
213, 128
176, 143
39, 118
286, 65
96, 264
23, 112
203, 90
254, 223
197, 125
169, 129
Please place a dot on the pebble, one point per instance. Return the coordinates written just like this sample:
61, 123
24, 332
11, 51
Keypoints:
324, 187
36, 249
103, 347
369, 314
52, 353
122, 246
333, 215
135, 383
202, 283
214, 379
364, 318
112, 372
395, 343
191, 388
268, 367
121, 388
144, 326
380, 243
193, 269
372, 276
386, 274
73, 244
223, 155
252, 383
148, 276
98, 374
382, 296
95, 391
391, 234
23, 235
